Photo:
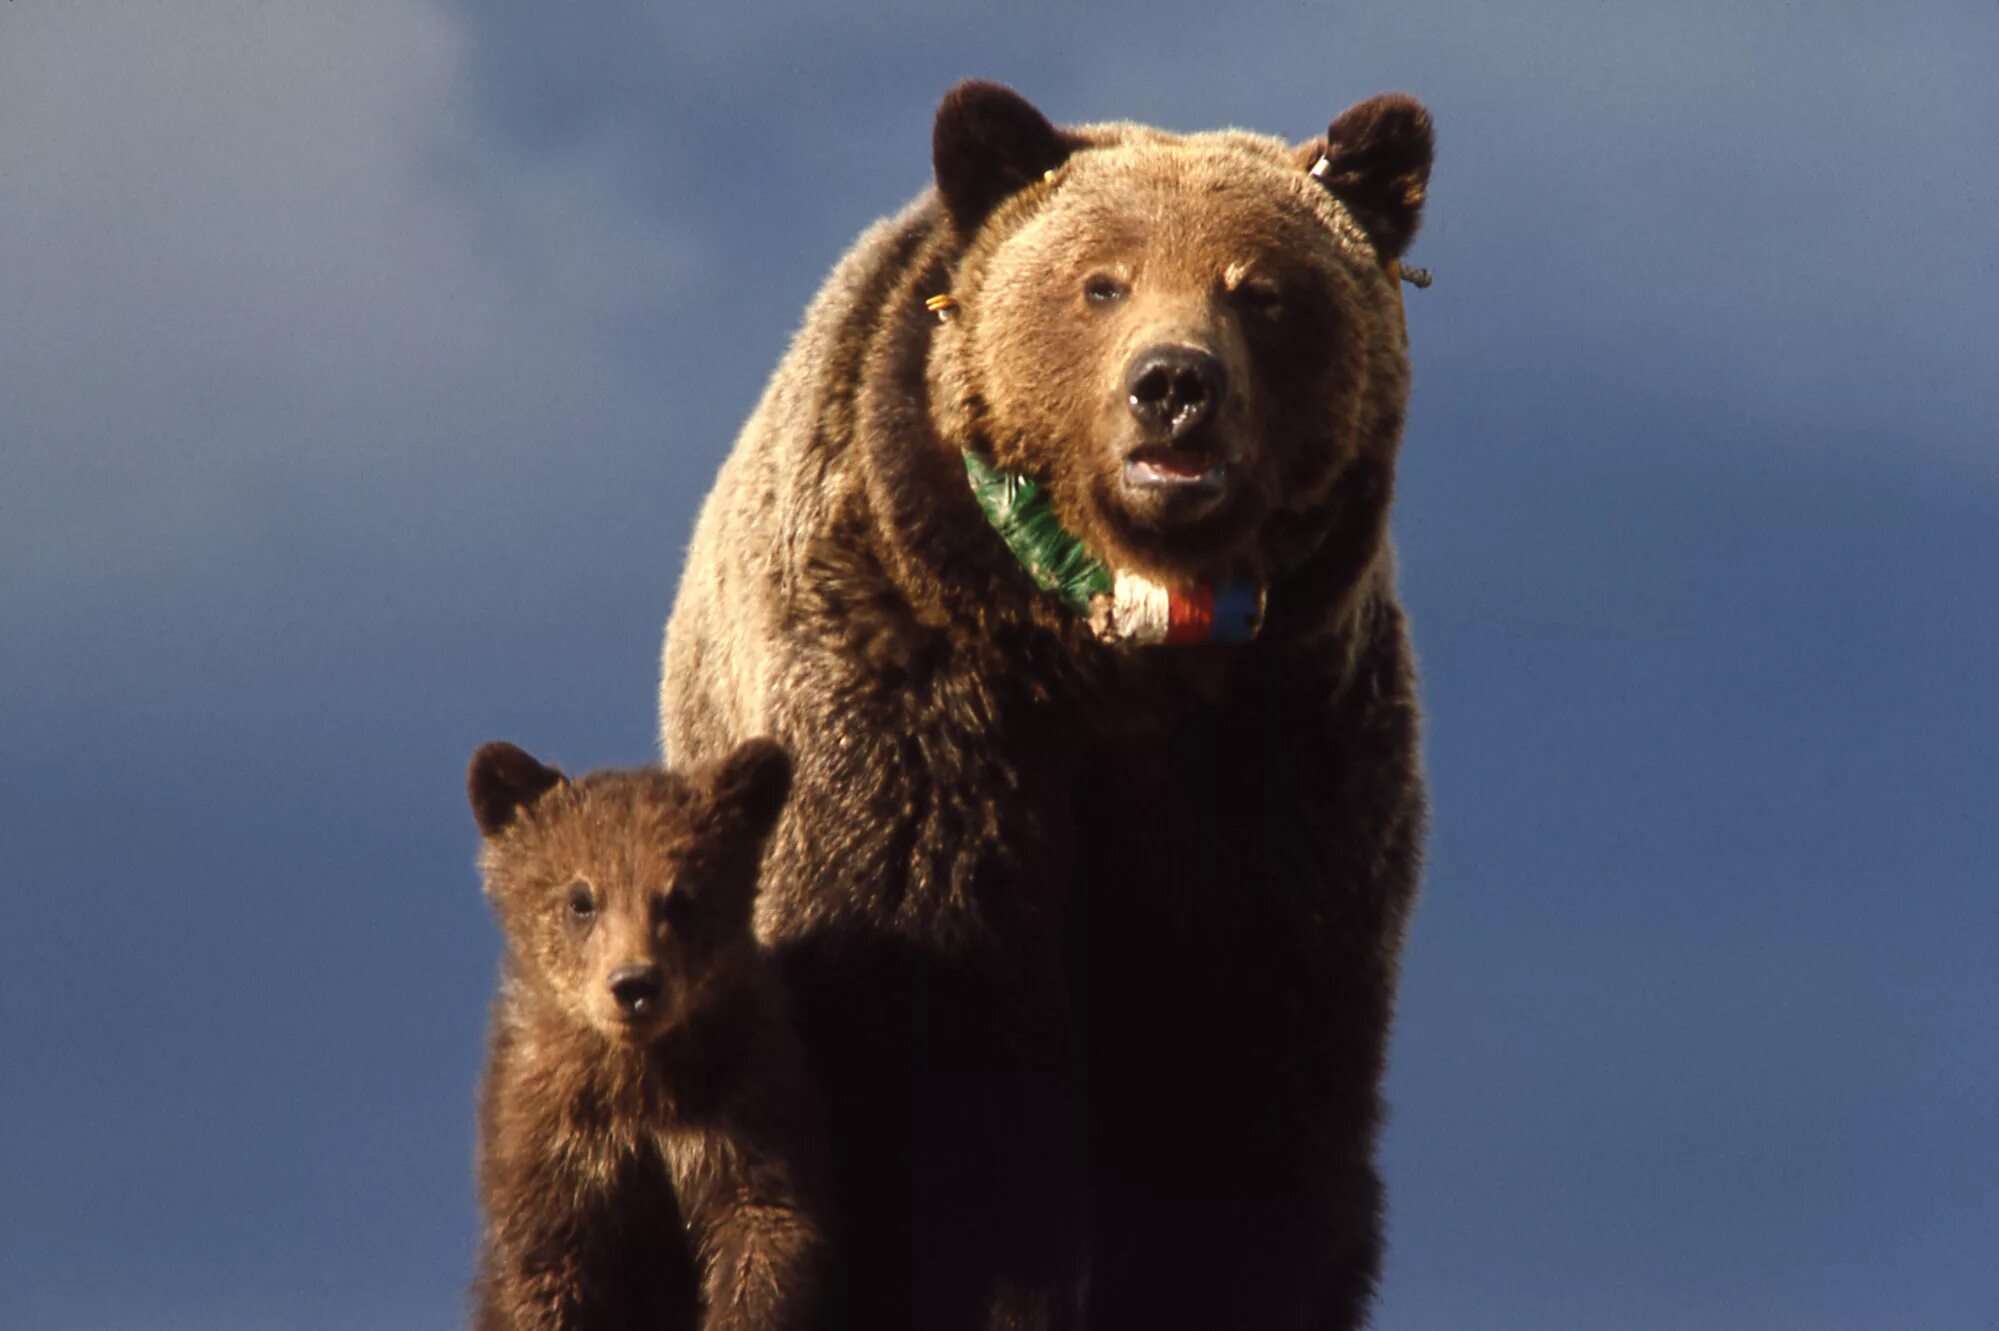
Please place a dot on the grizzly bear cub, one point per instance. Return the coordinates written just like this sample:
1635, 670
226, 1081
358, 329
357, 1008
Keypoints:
649, 1139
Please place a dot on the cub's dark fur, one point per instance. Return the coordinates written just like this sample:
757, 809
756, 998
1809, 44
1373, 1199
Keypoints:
650, 1142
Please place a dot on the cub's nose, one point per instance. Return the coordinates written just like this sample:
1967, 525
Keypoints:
636, 988
1174, 389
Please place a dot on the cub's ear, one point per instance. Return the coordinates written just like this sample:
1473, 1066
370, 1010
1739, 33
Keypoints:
1375, 159
503, 780
988, 143
752, 783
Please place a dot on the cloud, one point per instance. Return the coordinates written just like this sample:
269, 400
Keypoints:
260, 261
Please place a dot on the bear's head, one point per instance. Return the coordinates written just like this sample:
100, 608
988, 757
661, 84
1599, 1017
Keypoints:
622, 894
1192, 343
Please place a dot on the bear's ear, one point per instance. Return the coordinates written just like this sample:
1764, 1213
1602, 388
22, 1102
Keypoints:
503, 780
1375, 159
988, 143
752, 784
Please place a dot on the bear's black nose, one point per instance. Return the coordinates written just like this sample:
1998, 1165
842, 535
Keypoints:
636, 988
1173, 389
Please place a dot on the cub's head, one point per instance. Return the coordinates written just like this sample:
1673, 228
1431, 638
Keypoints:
622, 894
1193, 342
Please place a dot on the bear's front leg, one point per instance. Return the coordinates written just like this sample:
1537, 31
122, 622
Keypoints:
1246, 902
548, 1246
760, 1247
761, 1265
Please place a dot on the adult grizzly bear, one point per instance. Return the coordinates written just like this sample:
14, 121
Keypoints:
1093, 940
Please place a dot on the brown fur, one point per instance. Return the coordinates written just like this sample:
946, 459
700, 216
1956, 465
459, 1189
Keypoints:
1096, 947
657, 1170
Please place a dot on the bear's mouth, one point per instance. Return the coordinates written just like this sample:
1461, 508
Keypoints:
1175, 468
635, 1028
1171, 486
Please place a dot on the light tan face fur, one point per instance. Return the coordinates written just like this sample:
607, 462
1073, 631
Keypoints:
1220, 243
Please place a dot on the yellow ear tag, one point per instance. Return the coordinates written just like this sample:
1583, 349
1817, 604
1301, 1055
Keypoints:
941, 305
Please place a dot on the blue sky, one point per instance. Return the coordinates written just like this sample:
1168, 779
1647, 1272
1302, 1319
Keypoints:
363, 366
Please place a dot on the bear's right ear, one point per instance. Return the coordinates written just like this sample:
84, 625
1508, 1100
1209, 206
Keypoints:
988, 143
502, 780
752, 783
1375, 159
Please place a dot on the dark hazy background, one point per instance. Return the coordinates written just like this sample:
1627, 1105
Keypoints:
361, 367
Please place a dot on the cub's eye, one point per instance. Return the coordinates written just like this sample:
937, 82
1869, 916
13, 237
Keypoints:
582, 906
674, 910
1103, 289
1260, 297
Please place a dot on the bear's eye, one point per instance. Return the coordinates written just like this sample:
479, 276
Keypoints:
582, 906
675, 910
1260, 297
1103, 289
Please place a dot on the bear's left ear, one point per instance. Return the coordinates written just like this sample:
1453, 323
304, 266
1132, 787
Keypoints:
988, 143
502, 780
752, 783
1375, 159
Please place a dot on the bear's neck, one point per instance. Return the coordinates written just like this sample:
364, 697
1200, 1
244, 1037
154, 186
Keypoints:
1121, 606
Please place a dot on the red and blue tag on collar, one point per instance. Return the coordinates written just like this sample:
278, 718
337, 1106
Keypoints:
1139, 610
